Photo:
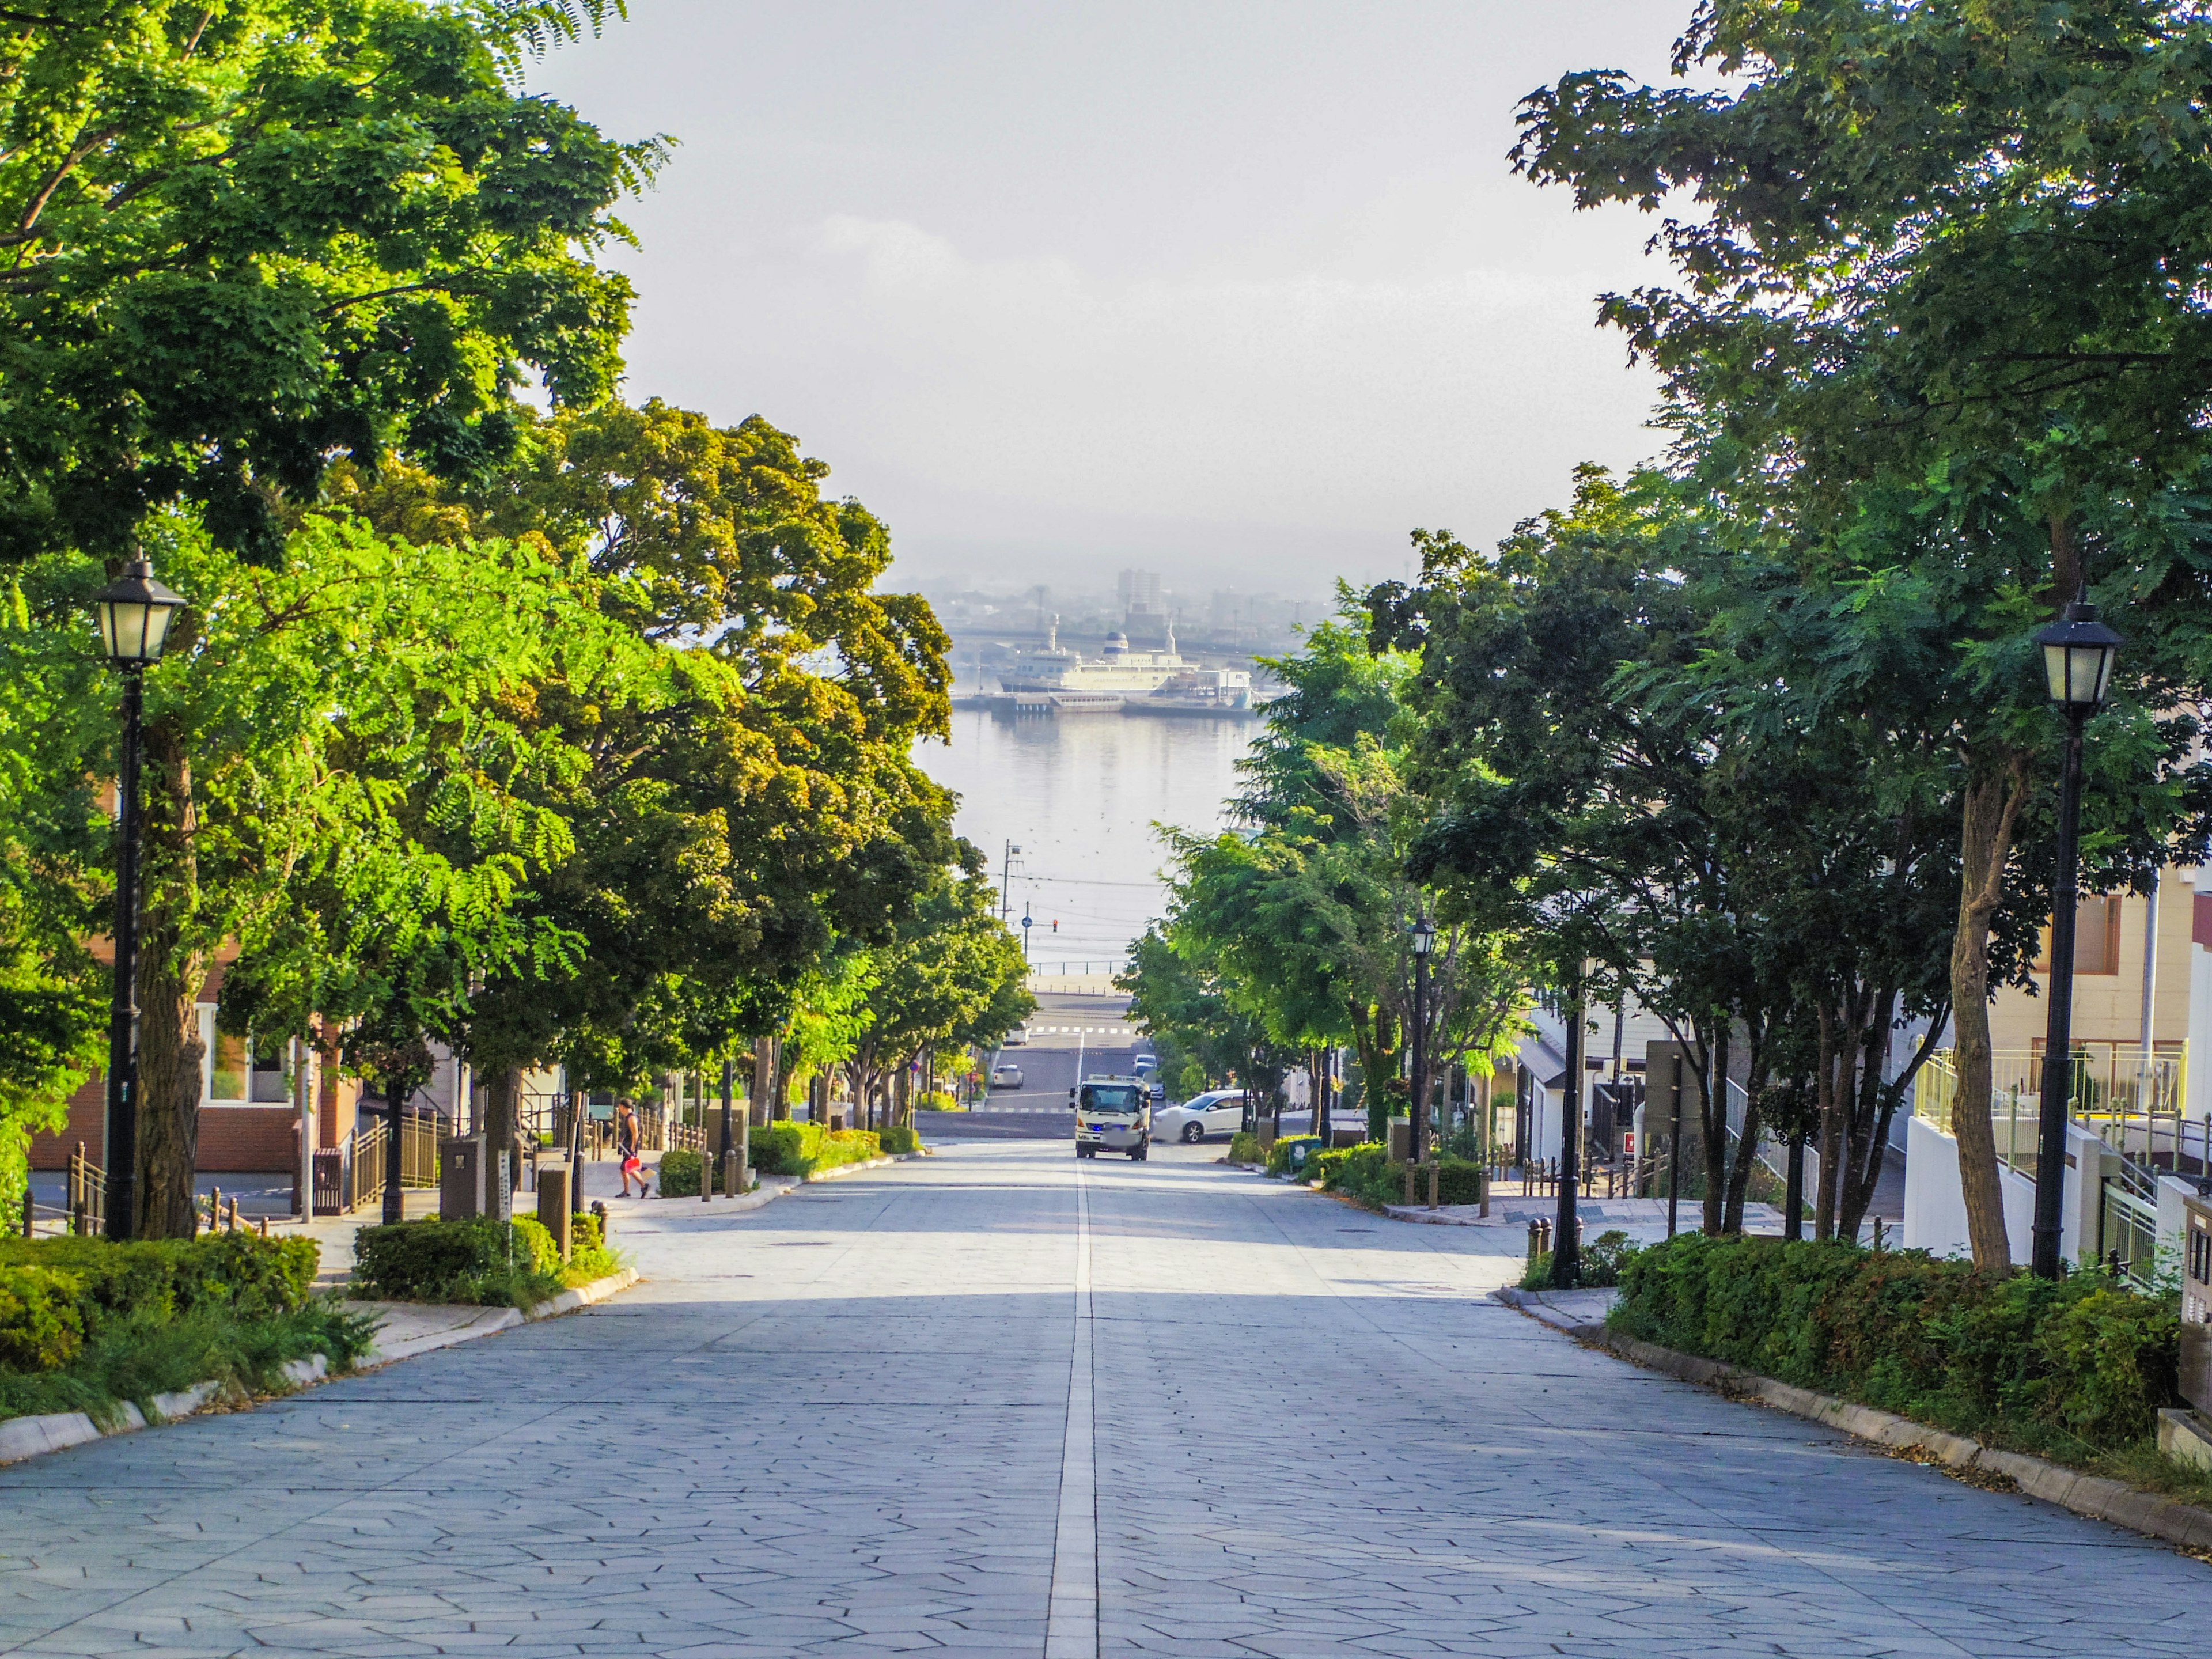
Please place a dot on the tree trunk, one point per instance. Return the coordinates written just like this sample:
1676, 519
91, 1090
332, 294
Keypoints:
170, 972
1992, 808
760, 1088
1747, 1149
502, 1114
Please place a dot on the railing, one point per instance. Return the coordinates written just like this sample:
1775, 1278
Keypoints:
87, 1195
2131, 1100
348, 1176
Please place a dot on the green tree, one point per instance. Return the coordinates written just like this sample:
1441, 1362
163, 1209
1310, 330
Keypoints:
1927, 334
247, 237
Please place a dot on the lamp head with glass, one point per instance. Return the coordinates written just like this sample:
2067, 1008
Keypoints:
135, 612
2078, 654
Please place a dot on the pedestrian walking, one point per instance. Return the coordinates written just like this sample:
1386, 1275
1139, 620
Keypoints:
627, 1141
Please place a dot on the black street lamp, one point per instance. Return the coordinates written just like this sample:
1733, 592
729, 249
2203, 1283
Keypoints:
1425, 940
2078, 652
1566, 1237
135, 612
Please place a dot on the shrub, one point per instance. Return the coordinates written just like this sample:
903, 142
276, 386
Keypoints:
899, 1138
1603, 1260
2067, 1367
161, 1279
800, 1149
40, 1328
1243, 1148
936, 1100
478, 1260
680, 1172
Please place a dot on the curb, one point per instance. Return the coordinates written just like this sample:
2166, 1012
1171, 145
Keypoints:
582, 1296
1436, 1219
23, 1437
2091, 1496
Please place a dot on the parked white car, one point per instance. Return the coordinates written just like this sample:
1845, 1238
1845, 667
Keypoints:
1015, 1038
1221, 1112
1006, 1075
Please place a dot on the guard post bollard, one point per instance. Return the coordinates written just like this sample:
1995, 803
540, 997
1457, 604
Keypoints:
554, 1209
1434, 1170
733, 1174
1533, 1251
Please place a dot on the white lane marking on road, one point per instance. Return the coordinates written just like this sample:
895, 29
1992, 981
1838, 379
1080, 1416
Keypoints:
1071, 1626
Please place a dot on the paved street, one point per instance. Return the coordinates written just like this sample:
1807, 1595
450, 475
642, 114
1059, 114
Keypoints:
1002, 1402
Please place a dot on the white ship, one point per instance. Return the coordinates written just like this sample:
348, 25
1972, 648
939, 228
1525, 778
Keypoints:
1136, 680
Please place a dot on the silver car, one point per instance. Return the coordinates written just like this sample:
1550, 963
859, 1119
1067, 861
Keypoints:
1006, 1075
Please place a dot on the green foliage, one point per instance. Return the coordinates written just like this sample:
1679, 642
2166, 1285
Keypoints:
1602, 1261
899, 1138
158, 1281
1290, 1154
2069, 1369
139, 1357
41, 1327
259, 233
1243, 1148
800, 1149
86, 1324
681, 1171
475, 1261
935, 1100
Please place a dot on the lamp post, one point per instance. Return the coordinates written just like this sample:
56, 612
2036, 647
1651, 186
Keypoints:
1566, 1241
135, 612
2078, 652
1424, 940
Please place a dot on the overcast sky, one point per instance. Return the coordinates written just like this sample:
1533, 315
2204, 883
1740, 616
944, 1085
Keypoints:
1241, 292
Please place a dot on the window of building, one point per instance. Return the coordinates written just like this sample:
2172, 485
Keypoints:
2096, 938
226, 1079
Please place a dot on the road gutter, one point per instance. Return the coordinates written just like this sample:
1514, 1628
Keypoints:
1071, 1623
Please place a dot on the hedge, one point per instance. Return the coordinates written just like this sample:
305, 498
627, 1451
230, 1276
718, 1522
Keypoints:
161, 1279
476, 1260
86, 1324
1366, 1173
2063, 1368
899, 1138
680, 1172
800, 1149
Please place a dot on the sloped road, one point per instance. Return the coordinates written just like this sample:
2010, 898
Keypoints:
1001, 1402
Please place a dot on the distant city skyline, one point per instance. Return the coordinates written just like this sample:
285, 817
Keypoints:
1254, 294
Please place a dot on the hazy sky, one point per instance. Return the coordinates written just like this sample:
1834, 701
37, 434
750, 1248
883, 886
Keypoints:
1238, 292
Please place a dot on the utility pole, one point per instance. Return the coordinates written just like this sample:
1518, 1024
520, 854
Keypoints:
1006, 882
1566, 1256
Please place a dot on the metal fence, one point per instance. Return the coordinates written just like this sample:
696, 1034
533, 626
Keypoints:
2130, 1099
351, 1176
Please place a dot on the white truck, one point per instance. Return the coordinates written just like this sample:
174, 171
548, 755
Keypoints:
1114, 1114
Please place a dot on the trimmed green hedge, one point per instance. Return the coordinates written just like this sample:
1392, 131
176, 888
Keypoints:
680, 1172
161, 1279
899, 1138
1243, 1148
477, 1260
800, 1149
2065, 1368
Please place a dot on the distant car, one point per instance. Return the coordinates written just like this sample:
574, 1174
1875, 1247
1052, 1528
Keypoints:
1006, 1075
1015, 1038
1221, 1112
1148, 1064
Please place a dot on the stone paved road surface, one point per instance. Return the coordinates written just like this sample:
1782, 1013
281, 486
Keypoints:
1000, 1403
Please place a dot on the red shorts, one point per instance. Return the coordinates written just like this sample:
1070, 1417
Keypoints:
633, 1166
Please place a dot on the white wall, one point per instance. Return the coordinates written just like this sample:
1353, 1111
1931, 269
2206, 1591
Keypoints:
1935, 1210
